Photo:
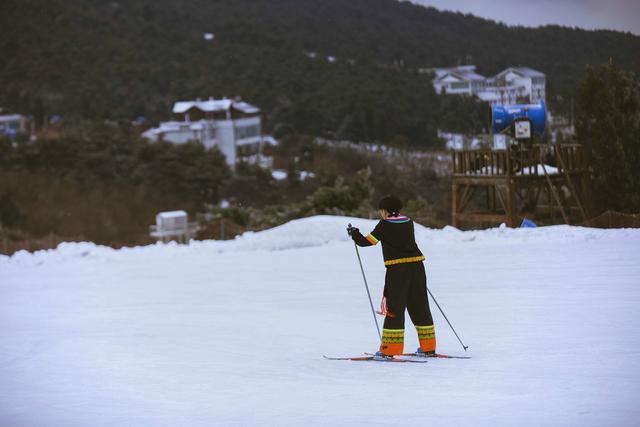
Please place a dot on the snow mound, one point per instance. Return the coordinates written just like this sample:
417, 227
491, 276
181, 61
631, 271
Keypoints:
233, 332
312, 232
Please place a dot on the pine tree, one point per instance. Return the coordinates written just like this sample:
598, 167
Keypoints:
608, 124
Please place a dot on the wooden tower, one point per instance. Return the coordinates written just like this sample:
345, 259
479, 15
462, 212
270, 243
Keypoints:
545, 183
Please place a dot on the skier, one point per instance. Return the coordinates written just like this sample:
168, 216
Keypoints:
405, 281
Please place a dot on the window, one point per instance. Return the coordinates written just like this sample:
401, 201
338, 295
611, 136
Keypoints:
247, 131
459, 85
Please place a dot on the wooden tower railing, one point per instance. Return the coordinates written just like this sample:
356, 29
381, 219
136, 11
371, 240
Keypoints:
514, 181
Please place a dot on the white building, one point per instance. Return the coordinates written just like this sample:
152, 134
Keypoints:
515, 83
12, 124
234, 126
462, 80
507, 87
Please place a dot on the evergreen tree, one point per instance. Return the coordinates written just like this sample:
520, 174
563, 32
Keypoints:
608, 124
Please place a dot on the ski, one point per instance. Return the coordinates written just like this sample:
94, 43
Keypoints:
426, 356
374, 358
436, 356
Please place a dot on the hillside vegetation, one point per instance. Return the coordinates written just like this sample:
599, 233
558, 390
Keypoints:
338, 69
119, 60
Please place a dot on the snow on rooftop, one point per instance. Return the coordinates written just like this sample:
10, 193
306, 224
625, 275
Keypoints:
530, 72
462, 75
171, 214
245, 107
270, 140
210, 105
467, 72
215, 105
11, 117
525, 71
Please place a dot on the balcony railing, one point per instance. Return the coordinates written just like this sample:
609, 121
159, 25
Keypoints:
532, 160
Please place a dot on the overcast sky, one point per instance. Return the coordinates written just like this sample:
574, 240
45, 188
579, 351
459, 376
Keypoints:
622, 15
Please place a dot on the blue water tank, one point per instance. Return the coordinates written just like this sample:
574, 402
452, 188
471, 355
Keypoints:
503, 116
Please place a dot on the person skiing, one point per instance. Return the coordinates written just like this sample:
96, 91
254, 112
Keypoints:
405, 284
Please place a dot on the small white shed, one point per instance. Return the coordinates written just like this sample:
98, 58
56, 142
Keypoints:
174, 225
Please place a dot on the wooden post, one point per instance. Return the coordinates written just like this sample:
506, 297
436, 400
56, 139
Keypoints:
488, 197
510, 205
454, 205
494, 208
574, 193
453, 162
554, 191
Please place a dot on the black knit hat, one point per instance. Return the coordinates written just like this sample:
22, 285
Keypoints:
390, 204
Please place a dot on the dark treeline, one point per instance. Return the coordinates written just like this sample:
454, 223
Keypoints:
103, 154
100, 183
104, 184
120, 60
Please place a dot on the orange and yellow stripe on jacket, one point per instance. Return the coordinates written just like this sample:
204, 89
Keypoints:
372, 239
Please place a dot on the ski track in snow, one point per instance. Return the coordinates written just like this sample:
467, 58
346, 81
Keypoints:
233, 332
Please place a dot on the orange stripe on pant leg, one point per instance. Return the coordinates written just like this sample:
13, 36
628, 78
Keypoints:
392, 349
428, 344
427, 338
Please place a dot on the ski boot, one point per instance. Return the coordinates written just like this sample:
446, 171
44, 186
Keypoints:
381, 356
421, 353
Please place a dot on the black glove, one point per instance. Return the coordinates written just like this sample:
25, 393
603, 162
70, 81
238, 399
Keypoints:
352, 231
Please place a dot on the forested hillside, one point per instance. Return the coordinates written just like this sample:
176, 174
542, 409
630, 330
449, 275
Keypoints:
90, 59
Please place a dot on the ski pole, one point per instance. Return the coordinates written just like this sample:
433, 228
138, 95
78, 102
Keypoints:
368, 293
445, 318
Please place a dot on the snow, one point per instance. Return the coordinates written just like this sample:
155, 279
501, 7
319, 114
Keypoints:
270, 140
281, 174
171, 214
215, 105
233, 332
11, 118
210, 105
527, 170
245, 107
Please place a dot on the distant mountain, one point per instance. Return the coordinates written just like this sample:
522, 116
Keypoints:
315, 66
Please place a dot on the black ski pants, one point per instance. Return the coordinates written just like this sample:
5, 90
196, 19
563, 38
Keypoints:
405, 287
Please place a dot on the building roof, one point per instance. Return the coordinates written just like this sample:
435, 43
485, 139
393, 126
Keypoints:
215, 105
171, 214
245, 107
463, 72
459, 68
210, 105
11, 117
524, 71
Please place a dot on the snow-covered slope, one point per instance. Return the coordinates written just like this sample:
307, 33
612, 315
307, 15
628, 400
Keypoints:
233, 332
